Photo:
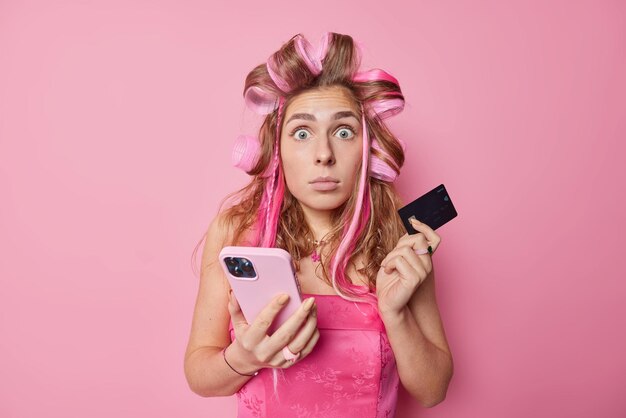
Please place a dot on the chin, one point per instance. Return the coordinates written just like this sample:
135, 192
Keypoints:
324, 203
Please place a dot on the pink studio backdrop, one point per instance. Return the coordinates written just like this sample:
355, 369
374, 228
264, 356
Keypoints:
116, 125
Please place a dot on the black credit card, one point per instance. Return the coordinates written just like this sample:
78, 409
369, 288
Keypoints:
434, 208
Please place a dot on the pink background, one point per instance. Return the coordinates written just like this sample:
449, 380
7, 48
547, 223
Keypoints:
116, 125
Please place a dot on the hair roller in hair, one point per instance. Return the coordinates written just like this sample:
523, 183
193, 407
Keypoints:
313, 58
280, 82
379, 168
246, 152
385, 108
260, 101
402, 144
375, 74
322, 48
310, 57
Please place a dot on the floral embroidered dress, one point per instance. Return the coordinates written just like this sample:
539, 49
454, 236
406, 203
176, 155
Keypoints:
351, 372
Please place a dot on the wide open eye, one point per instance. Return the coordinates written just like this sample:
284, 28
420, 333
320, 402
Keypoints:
300, 134
345, 132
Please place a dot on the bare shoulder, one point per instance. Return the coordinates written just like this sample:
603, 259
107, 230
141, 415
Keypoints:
219, 234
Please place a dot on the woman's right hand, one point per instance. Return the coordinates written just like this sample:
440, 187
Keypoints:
253, 349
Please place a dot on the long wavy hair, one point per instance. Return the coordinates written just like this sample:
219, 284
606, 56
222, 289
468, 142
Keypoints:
378, 226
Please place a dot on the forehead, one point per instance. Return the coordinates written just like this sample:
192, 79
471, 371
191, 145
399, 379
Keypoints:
322, 102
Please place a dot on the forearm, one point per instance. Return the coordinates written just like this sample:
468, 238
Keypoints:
208, 374
424, 369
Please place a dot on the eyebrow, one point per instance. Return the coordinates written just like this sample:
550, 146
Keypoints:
308, 116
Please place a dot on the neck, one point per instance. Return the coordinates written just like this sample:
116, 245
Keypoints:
318, 221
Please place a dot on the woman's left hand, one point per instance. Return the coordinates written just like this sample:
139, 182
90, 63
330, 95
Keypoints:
403, 271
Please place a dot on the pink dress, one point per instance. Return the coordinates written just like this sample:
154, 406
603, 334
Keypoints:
351, 372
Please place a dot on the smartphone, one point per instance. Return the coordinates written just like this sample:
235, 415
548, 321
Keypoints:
257, 275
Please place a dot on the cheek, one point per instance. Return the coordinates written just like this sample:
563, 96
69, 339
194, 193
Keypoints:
355, 163
292, 169
290, 174
351, 173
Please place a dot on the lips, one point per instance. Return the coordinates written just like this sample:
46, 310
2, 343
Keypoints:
324, 183
324, 179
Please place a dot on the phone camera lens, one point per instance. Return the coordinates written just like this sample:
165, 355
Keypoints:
231, 262
237, 271
247, 266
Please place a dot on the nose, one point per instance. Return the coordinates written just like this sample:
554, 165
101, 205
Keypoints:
324, 153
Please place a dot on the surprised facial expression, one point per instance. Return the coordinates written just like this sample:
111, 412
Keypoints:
321, 147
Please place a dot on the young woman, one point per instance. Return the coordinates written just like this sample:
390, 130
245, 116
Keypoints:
322, 190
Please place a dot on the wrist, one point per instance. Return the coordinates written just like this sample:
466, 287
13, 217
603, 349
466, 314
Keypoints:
232, 361
391, 317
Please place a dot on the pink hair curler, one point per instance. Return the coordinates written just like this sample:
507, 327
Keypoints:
322, 47
312, 57
260, 101
382, 108
375, 74
385, 108
379, 168
280, 82
246, 152
308, 55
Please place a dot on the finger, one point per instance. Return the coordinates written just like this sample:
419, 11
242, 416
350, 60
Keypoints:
306, 350
234, 309
288, 330
411, 243
417, 261
304, 334
310, 344
263, 321
414, 241
295, 344
393, 253
385, 263
428, 232
425, 259
409, 276
419, 242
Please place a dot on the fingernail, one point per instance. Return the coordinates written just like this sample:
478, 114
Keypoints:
283, 299
308, 304
413, 220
